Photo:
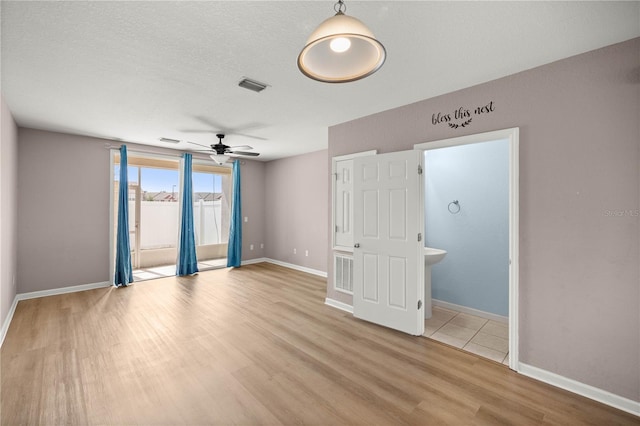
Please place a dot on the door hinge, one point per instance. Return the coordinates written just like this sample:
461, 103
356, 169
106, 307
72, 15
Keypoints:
335, 176
419, 237
419, 169
336, 228
419, 304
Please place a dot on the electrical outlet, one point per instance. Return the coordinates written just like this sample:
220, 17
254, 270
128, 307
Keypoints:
306, 253
251, 247
295, 251
246, 219
261, 245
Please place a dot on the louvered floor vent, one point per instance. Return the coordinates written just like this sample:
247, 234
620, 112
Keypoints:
343, 270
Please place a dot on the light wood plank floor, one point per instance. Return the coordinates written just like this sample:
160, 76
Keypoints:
254, 345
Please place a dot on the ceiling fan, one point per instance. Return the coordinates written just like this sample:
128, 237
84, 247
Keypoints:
220, 152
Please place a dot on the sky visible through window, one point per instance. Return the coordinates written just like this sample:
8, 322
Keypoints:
157, 180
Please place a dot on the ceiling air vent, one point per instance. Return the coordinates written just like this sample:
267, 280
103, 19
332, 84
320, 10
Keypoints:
256, 86
169, 140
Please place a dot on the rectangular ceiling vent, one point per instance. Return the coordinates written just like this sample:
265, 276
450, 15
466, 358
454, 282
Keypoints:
256, 86
169, 140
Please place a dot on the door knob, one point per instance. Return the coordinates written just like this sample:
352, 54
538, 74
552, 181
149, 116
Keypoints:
357, 245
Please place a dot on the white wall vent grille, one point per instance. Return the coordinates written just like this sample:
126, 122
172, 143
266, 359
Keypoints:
343, 270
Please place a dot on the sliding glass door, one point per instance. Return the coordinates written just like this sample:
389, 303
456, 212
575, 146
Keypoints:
154, 213
211, 211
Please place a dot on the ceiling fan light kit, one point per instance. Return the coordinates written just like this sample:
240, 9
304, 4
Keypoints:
220, 153
341, 49
220, 159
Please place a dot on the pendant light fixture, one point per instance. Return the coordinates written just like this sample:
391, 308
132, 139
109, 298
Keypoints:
341, 49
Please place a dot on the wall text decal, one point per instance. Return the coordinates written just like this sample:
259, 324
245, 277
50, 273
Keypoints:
462, 117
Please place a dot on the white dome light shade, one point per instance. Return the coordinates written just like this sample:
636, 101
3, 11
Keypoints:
219, 159
341, 49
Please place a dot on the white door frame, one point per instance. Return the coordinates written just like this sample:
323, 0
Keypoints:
513, 136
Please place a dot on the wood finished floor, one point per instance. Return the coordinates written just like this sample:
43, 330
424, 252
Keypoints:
254, 345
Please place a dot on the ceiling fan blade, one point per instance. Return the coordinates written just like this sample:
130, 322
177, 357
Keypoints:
207, 121
213, 125
198, 131
241, 146
194, 143
247, 154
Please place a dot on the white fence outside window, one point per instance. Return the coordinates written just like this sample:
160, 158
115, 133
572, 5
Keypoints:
164, 219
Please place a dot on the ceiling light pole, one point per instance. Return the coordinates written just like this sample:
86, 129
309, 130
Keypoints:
341, 49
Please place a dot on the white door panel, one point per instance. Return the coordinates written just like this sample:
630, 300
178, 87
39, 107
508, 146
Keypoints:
344, 203
388, 254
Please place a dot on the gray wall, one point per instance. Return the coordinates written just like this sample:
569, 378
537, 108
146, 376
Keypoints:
296, 209
63, 201
579, 194
252, 177
475, 271
63, 204
8, 209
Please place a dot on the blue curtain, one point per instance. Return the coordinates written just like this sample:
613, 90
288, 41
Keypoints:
187, 261
234, 250
123, 273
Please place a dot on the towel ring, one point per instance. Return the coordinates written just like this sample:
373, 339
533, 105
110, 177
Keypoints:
455, 209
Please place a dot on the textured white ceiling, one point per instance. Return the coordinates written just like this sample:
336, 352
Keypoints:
138, 71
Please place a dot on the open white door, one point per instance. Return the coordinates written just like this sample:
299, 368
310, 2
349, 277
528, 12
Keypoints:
388, 259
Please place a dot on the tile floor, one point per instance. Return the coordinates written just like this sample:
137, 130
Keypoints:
170, 270
487, 338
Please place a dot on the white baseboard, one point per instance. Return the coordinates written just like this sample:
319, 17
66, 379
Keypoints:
252, 261
338, 305
296, 267
286, 265
62, 290
470, 311
579, 388
7, 320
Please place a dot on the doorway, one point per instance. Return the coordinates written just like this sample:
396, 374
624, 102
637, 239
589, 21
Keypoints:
488, 317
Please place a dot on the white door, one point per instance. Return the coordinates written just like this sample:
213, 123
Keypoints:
343, 203
388, 259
